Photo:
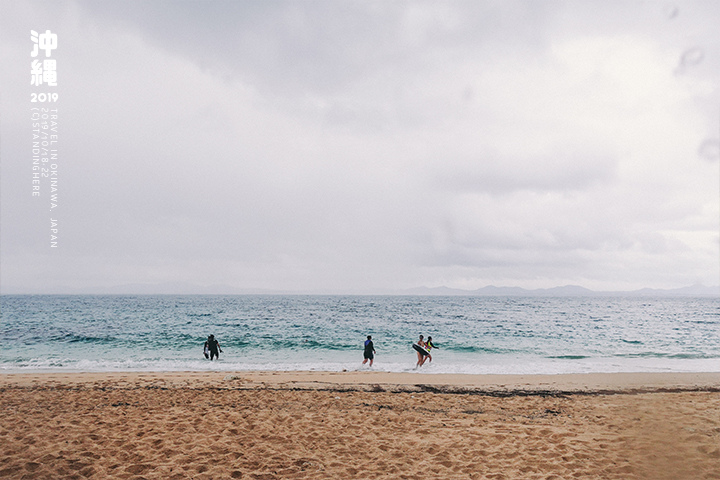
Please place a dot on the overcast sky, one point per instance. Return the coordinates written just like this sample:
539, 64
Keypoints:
347, 146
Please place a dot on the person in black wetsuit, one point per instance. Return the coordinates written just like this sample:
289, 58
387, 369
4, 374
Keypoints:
213, 347
430, 345
369, 353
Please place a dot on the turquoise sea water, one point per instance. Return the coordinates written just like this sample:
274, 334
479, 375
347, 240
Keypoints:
511, 335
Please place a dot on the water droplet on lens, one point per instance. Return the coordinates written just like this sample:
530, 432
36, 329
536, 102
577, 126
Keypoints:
690, 58
710, 150
693, 56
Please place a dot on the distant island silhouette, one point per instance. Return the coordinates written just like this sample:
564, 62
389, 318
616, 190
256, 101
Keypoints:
182, 288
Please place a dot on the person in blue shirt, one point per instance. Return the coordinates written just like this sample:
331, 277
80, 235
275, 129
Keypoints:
369, 353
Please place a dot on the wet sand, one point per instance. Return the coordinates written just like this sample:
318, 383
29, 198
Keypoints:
307, 425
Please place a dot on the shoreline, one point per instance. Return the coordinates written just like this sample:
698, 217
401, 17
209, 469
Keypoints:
585, 383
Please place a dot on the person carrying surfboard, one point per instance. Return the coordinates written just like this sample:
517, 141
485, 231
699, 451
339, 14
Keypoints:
212, 346
421, 348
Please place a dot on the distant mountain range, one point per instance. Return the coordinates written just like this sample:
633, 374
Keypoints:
179, 288
565, 291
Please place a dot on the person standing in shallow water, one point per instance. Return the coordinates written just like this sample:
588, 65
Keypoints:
369, 353
212, 346
430, 345
421, 349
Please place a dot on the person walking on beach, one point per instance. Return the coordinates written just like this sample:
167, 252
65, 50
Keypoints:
421, 348
212, 346
369, 353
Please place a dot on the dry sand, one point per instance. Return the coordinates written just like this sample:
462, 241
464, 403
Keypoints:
307, 425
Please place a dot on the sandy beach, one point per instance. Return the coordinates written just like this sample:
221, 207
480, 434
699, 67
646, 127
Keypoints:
307, 425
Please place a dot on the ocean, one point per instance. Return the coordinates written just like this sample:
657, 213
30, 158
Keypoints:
474, 334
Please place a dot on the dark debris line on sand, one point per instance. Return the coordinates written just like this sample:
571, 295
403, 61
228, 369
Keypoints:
376, 388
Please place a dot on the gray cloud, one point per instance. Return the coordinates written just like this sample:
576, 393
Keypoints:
493, 173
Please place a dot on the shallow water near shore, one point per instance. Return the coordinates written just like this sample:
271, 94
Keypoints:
475, 335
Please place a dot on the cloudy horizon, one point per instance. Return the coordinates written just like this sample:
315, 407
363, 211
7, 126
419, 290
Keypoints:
358, 146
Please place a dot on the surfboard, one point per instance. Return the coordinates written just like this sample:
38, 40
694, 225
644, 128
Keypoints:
420, 349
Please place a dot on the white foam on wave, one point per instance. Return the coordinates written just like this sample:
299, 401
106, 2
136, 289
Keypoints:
487, 365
